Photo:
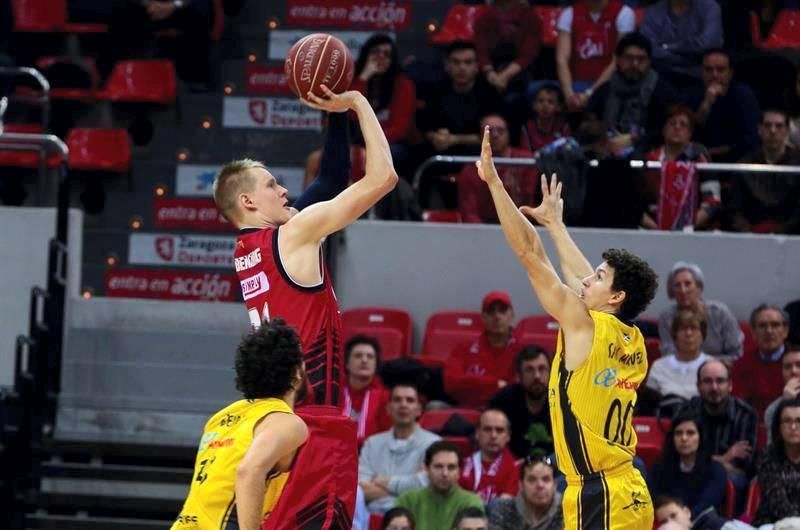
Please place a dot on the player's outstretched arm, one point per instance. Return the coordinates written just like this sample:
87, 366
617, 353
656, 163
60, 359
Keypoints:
277, 437
324, 218
556, 298
550, 214
334, 167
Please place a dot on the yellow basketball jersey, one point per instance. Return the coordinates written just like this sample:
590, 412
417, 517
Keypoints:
227, 436
591, 408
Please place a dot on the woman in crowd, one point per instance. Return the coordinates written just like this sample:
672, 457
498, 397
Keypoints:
779, 467
723, 338
686, 470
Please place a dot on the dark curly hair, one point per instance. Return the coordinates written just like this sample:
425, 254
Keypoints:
635, 277
268, 360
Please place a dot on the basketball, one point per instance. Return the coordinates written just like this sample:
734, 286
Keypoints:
318, 59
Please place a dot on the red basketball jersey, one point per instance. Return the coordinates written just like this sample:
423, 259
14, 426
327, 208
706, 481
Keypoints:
593, 42
312, 310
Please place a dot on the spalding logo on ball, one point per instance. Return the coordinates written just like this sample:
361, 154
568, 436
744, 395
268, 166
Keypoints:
318, 59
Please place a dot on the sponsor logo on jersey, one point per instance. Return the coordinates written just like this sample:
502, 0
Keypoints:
254, 285
607, 377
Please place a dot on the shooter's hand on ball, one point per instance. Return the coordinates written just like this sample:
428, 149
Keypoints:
333, 102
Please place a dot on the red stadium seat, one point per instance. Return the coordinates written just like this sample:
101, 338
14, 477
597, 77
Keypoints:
39, 16
464, 444
753, 498
25, 159
651, 437
446, 330
785, 32
441, 216
434, 420
459, 24
49, 16
541, 330
99, 150
750, 346
652, 345
375, 521
548, 16
729, 504
392, 328
141, 81
75, 94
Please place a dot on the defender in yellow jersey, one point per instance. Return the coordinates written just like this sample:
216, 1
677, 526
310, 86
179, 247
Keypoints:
247, 448
599, 363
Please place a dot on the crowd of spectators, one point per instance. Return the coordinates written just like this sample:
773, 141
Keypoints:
659, 83
733, 414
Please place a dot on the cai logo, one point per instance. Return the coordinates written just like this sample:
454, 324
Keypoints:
165, 247
606, 377
258, 111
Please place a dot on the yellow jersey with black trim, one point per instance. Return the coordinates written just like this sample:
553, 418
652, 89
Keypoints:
591, 408
211, 504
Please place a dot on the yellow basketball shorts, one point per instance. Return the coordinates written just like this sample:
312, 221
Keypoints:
613, 501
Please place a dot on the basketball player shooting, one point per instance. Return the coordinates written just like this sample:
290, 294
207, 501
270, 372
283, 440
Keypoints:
600, 358
278, 252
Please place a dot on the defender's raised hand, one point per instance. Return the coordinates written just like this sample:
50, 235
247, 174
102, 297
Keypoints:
486, 170
551, 210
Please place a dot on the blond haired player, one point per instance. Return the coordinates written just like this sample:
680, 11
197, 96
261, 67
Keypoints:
599, 363
277, 255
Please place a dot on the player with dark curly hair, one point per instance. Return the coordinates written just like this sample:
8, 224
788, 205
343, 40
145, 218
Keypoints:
247, 449
600, 359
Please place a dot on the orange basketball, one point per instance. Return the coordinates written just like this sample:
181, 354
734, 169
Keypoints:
318, 59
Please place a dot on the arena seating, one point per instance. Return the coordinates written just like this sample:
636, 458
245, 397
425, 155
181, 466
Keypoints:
392, 327
446, 330
434, 419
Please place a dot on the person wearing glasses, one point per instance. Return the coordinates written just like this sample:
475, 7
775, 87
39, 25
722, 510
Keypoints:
779, 467
600, 359
728, 425
770, 327
790, 369
538, 503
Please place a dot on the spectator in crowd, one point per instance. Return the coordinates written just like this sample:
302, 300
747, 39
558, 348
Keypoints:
525, 404
770, 327
686, 469
134, 24
365, 399
547, 123
537, 506
685, 284
391, 94
779, 467
768, 202
452, 110
673, 379
790, 370
486, 362
727, 110
672, 513
680, 31
678, 146
470, 519
391, 462
634, 100
436, 505
398, 519
507, 37
729, 426
588, 32
490, 472
522, 182
450, 117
